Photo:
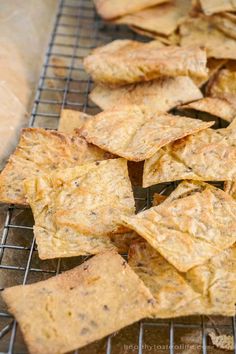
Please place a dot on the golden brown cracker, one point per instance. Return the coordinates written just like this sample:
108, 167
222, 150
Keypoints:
125, 62
163, 19
135, 133
76, 209
195, 157
189, 230
200, 31
218, 107
72, 309
109, 9
178, 294
42, 151
160, 95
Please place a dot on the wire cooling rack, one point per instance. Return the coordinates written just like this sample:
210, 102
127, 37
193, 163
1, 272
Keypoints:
64, 84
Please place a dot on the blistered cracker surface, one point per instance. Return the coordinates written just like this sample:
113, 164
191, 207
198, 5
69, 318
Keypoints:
190, 230
200, 31
124, 62
76, 209
207, 289
195, 157
41, 151
135, 133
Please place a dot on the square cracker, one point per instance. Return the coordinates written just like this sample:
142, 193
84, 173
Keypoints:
190, 230
160, 95
163, 19
135, 133
195, 157
109, 9
125, 62
217, 106
208, 289
77, 208
42, 151
200, 31
79, 306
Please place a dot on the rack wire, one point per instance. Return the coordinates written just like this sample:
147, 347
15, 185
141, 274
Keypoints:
64, 84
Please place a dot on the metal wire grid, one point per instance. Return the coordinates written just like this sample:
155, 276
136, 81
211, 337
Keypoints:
64, 84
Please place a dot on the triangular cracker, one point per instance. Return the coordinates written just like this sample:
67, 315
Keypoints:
136, 133
82, 305
42, 151
208, 289
206, 156
109, 9
77, 208
162, 19
218, 107
200, 31
161, 94
125, 62
189, 230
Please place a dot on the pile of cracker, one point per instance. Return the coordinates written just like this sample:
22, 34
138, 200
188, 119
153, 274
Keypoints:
79, 183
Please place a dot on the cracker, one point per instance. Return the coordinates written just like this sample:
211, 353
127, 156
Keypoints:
226, 23
213, 6
222, 341
189, 230
218, 107
76, 209
163, 19
125, 62
42, 151
216, 281
161, 94
71, 120
200, 31
195, 157
179, 294
109, 9
79, 306
135, 133
223, 83
213, 65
